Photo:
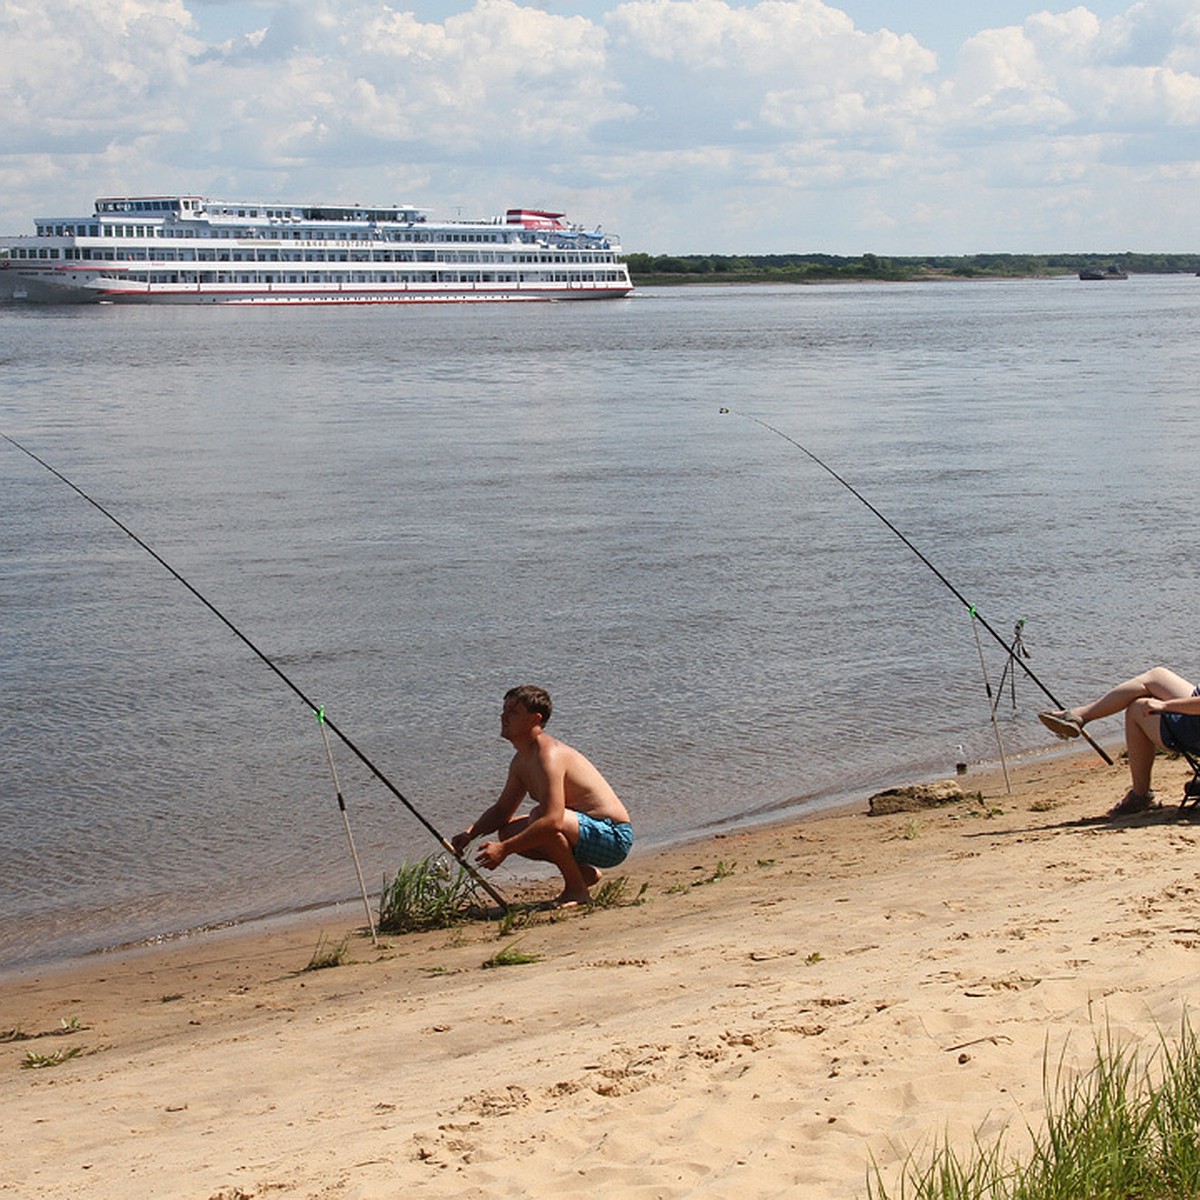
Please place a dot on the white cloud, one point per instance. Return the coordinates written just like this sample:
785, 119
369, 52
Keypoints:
711, 35
376, 83
1070, 71
691, 124
768, 71
77, 67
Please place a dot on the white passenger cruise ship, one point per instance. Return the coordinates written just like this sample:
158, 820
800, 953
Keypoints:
189, 250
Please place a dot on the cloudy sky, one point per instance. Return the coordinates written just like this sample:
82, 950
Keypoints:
685, 126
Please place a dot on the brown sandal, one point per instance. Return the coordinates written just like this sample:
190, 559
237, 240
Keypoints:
1061, 723
1133, 803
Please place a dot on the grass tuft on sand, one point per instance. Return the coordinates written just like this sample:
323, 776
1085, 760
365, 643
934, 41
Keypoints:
431, 894
1128, 1127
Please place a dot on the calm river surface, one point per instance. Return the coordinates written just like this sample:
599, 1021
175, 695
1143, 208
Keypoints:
410, 510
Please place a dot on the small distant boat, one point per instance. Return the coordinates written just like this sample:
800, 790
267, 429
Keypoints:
1109, 272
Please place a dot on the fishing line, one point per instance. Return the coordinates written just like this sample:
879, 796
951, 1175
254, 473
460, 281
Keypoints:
962, 599
325, 721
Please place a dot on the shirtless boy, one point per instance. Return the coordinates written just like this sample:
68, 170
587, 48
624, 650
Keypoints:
577, 822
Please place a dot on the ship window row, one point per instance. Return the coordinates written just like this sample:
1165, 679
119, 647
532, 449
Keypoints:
320, 214
415, 277
156, 206
51, 253
332, 234
114, 230
108, 231
71, 230
189, 254
309, 233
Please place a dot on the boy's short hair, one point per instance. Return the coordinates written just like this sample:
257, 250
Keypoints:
534, 699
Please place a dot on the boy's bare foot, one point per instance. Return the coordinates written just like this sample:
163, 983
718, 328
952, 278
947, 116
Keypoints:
591, 876
570, 900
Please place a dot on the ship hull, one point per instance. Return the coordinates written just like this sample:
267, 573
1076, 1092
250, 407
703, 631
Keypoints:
18, 286
21, 287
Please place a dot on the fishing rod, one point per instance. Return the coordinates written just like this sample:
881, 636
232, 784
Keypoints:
975, 614
318, 711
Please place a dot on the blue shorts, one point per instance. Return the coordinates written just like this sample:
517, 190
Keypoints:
603, 842
1181, 731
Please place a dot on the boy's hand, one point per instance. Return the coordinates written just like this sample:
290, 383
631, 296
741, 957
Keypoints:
491, 855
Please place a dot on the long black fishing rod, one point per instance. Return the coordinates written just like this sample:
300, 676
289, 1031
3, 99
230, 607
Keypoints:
318, 711
976, 615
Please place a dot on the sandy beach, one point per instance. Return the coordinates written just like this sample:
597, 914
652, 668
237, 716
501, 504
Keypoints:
782, 1007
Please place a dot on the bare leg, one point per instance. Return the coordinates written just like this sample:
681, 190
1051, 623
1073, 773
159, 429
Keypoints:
1142, 739
1143, 736
577, 877
1158, 683
575, 886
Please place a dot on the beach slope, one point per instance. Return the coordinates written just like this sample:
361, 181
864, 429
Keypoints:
781, 1008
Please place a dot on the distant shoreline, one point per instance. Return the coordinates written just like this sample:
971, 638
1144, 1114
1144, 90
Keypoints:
649, 270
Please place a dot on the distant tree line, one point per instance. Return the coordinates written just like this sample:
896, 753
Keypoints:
823, 268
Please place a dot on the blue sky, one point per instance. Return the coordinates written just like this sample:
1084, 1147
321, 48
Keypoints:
685, 126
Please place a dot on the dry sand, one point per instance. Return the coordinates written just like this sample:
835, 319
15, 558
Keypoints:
782, 1007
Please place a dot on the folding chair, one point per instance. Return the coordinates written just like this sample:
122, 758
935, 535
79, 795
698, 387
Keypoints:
1191, 789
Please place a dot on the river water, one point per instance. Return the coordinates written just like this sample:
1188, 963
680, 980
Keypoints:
410, 510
